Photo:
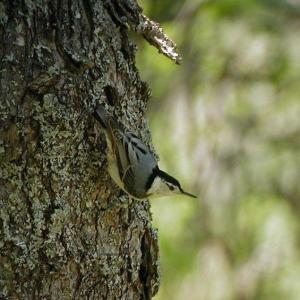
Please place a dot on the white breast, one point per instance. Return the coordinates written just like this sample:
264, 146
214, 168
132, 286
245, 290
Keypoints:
158, 188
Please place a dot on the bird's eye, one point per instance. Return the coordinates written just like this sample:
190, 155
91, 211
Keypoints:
171, 187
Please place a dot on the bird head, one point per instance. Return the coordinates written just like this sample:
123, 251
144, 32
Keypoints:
164, 184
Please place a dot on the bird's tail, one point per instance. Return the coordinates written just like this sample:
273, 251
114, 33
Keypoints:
101, 116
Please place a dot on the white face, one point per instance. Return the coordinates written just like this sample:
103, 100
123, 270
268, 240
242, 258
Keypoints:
161, 188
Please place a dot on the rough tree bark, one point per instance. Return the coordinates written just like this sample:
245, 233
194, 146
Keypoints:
58, 239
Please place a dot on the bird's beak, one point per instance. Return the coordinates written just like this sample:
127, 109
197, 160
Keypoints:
188, 194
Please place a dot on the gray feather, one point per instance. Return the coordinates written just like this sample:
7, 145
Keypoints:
101, 116
139, 162
134, 161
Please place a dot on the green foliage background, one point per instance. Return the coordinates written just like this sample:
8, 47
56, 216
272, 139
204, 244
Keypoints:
226, 123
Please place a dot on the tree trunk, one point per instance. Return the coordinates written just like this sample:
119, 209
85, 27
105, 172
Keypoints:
59, 237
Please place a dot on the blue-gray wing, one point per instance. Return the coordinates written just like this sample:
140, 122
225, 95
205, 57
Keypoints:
135, 163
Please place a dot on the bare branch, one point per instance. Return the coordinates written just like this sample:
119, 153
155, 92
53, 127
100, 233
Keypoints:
154, 34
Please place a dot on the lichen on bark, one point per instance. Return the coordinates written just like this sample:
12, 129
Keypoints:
58, 240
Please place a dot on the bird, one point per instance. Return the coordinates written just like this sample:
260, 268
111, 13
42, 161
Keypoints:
131, 164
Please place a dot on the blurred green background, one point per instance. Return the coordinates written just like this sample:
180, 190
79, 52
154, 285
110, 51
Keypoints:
226, 122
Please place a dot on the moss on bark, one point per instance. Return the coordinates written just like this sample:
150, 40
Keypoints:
58, 240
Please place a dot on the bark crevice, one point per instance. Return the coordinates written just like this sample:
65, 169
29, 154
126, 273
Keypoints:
58, 240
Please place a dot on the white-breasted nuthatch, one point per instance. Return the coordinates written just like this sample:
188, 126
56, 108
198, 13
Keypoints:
131, 164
